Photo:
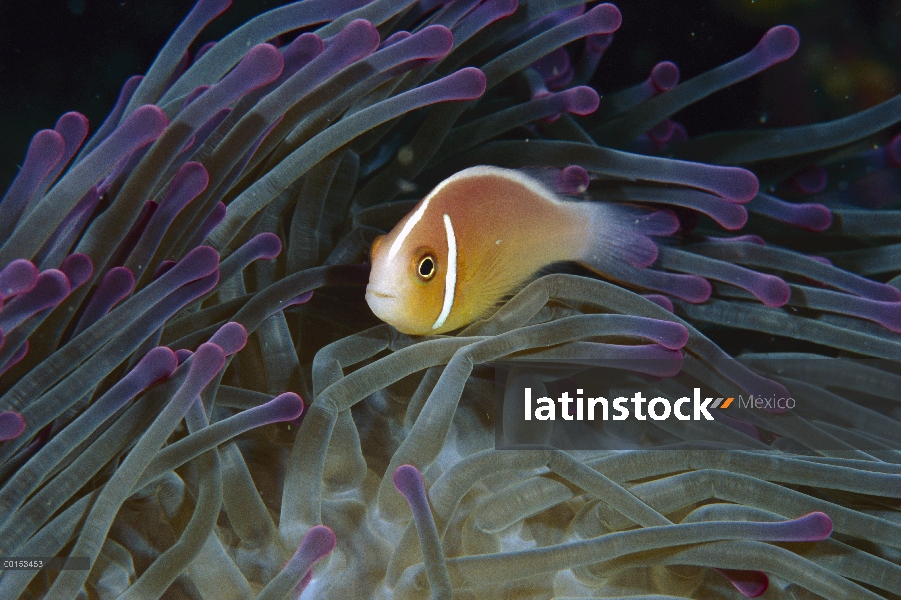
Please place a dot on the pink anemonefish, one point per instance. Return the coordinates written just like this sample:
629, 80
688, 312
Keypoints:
479, 235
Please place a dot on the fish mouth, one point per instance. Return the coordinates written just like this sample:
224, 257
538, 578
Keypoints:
378, 294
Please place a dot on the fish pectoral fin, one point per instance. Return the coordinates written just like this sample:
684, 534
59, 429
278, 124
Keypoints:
375, 247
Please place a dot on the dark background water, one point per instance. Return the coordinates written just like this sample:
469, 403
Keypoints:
61, 55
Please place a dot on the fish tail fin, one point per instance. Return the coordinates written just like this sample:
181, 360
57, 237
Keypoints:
619, 245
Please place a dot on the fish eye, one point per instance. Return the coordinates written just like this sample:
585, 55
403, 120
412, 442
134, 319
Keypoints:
426, 268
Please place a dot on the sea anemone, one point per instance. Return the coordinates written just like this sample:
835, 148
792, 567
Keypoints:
159, 327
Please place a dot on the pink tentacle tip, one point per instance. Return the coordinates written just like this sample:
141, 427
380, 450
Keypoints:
408, 481
778, 44
574, 180
17, 277
268, 245
604, 18
231, 337
661, 301
78, 268
812, 527
893, 148
300, 299
810, 180
315, 545
581, 100
664, 76
772, 291
289, 406
750, 584
11, 425
159, 363
208, 360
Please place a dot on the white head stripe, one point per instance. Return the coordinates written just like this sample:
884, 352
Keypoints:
450, 280
408, 227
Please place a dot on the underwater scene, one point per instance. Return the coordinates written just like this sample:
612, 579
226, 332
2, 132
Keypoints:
433, 299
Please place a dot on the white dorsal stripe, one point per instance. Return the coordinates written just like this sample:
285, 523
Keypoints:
450, 279
408, 227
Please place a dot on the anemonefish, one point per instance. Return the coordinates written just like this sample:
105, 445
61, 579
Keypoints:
479, 235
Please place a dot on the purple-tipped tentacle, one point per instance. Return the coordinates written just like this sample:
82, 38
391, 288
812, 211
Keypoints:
729, 215
16, 278
228, 51
595, 47
78, 268
163, 268
316, 544
792, 262
112, 120
807, 215
45, 151
769, 289
465, 84
750, 584
573, 180
812, 527
777, 45
545, 105
203, 50
73, 127
300, 52
263, 246
581, 100
394, 38
159, 77
11, 425
424, 47
602, 19
231, 337
155, 366
262, 65
115, 286
809, 180
553, 66
356, 41
51, 288
690, 288
284, 407
194, 95
189, 182
664, 77
408, 481
661, 301
144, 125
732, 184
